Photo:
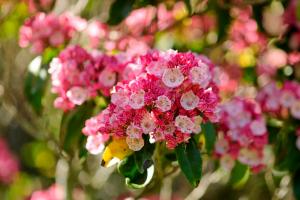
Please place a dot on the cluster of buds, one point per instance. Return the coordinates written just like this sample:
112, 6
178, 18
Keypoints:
242, 134
281, 102
49, 30
78, 75
168, 101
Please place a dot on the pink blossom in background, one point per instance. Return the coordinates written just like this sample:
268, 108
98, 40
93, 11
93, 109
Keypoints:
271, 60
97, 33
244, 31
78, 75
242, 134
49, 30
9, 166
166, 105
281, 101
54, 192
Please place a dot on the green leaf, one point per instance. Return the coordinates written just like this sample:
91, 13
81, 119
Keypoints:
210, 136
249, 75
188, 6
296, 184
35, 83
239, 174
71, 136
190, 161
143, 158
131, 170
119, 10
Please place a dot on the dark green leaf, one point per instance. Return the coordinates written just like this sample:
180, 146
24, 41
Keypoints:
239, 174
143, 158
119, 10
190, 161
130, 170
188, 6
34, 89
296, 184
210, 136
71, 131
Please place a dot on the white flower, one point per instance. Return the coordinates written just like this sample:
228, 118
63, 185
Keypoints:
163, 103
134, 131
287, 99
184, 124
172, 77
258, 127
200, 75
189, 100
120, 98
77, 95
107, 78
135, 144
136, 100
147, 123
95, 143
295, 109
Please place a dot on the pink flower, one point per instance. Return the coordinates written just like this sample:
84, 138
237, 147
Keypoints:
54, 192
78, 76
242, 132
167, 106
49, 30
9, 166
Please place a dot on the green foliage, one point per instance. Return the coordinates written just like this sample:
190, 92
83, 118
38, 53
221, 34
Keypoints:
71, 136
296, 184
239, 174
119, 10
136, 168
210, 136
190, 161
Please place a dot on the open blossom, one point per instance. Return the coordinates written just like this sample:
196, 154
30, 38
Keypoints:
242, 132
275, 100
49, 30
166, 106
9, 166
78, 75
163, 103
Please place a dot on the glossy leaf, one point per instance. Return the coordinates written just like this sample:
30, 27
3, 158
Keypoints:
190, 161
296, 184
119, 10
210, 136
239, 174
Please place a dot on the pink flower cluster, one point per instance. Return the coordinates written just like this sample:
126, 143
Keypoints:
54, 192
135, 35
9, 166
49, 30
281, 101
244, 31
242, 134
78, 75
168, 100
